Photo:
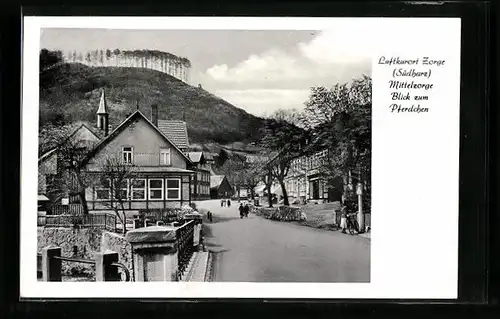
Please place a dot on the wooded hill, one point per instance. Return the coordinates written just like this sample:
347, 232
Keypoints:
70, 92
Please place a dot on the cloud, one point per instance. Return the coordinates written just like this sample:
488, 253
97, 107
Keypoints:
265, 101
329, 56
272, 65
278, 79
339, 47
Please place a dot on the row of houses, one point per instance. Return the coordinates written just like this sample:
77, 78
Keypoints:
306, 180
166, 173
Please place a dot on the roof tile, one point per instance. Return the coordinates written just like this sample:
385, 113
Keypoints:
176, 131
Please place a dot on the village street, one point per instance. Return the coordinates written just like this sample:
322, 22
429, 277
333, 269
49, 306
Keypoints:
260, 250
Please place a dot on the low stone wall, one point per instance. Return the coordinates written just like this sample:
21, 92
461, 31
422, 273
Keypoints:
75, 243
83, 243
280, 213
119, 244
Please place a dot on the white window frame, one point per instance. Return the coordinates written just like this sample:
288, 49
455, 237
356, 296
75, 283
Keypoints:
130, 153
103, 188
132, 189
165, 156
128, 194
150, 188
176, 188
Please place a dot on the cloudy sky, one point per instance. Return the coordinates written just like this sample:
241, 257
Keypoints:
258, 71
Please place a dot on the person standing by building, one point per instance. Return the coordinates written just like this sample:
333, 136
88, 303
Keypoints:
246, 210
343, 218
242, 210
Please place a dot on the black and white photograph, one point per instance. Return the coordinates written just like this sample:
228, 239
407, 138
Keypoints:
240, 157
200, 155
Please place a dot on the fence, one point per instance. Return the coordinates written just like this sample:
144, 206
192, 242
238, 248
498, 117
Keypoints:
185, 239
71, 209
106, 265
95, 220
169, 215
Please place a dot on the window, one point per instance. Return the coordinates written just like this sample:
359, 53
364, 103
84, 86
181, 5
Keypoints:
138, 189
122, 192
173, 189
156, 189
103, 192
127, 154
165, 156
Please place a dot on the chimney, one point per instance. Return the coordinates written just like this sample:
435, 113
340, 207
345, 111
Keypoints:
154, 114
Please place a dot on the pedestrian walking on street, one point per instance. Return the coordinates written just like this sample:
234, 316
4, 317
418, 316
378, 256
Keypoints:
242, 210
228, 203
221, 203
246, 210
343, 218
209, 215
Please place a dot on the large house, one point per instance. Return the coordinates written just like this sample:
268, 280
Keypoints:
306, 181
200, 188
156, 152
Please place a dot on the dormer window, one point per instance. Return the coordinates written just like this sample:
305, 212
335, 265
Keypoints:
165, 158
127, 154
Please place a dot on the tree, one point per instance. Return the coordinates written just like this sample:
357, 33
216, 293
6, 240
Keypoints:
260, 170
72, 153
291, 116
286, 140
115, 175
49, 58
234, 170
221, 158
339, 120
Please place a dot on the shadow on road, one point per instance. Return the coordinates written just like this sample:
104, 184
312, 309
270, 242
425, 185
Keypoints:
220, 219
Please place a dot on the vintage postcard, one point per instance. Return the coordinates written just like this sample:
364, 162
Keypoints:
240, 157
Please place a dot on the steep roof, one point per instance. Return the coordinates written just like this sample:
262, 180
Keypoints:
124, 124
216, 180
103, 106
176, 131
195, 157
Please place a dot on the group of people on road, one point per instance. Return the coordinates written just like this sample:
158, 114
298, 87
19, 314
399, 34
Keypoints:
225, 202
244, 210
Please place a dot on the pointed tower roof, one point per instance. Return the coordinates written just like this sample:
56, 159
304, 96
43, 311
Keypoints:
103, 106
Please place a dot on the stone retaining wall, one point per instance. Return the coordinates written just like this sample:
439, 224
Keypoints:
83, 243
118, 243
75, 243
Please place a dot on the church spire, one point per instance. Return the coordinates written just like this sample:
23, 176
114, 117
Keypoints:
102, 114
103, 106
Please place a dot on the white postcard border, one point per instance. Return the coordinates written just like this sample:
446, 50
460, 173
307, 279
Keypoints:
414, 245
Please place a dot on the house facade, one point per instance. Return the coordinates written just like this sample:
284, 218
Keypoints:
160, 177
306, 180
200, 188
153, 152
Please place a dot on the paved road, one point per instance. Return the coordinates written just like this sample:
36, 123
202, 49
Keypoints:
260, 250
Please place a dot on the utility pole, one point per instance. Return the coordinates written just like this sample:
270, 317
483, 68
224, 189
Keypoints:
361, 215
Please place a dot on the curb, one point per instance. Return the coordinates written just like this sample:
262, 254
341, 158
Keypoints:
209, 272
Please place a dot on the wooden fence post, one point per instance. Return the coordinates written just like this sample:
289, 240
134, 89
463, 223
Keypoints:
103, 269
51, 267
